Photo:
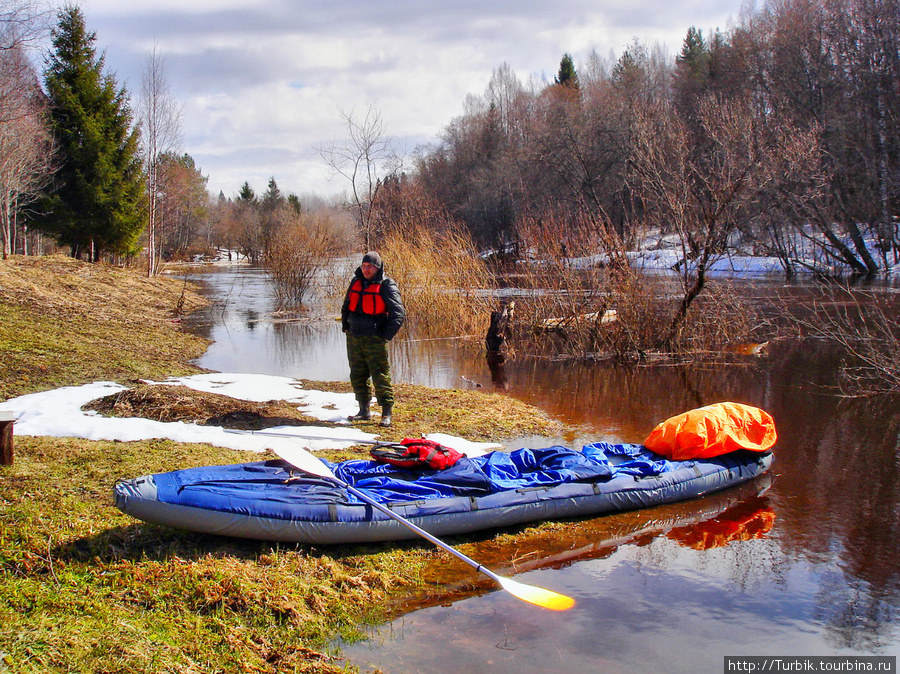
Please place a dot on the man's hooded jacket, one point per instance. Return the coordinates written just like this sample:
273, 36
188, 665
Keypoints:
360, 323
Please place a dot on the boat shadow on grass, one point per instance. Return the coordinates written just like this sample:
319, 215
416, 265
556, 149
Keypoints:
140, 541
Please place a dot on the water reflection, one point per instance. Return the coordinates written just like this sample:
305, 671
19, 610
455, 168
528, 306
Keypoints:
743, 522
809, 568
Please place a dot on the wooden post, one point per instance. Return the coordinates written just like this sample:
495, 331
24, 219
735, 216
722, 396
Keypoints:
7, 419
495, 342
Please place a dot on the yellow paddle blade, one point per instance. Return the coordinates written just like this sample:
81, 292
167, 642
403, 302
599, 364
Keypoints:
536, 595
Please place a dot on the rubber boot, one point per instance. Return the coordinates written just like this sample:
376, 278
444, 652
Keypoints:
364, 414
386, 415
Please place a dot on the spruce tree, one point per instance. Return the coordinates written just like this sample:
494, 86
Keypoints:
691, 79
272, 198
96, 201
567, 75
246, 195
694, 59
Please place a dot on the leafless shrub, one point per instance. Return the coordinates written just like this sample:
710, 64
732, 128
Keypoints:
563, 278
640, 318
446, 285
300, 248
26, 161
722, 317
590, 305
865, 326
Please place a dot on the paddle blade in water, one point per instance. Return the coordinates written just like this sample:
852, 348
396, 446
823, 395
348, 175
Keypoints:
536, 595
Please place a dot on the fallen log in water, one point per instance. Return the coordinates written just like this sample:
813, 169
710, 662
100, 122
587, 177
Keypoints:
575, 321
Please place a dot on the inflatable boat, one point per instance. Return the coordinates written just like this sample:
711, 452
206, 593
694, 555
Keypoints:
273, 500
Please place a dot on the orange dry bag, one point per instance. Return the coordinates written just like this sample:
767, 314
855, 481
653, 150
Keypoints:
712, 431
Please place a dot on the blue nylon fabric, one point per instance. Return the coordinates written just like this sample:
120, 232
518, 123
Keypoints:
634, 460
542, 467
271, 488
392, 483
501, 471
249, 488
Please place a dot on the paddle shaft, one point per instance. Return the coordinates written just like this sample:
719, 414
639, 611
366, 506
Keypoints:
534, 595
412, 527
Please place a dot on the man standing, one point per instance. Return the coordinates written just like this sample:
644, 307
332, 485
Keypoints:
371, 315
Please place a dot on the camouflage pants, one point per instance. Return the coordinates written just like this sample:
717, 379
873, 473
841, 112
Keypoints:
368, 357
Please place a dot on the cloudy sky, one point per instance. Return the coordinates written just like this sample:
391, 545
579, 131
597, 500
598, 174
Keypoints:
264, 82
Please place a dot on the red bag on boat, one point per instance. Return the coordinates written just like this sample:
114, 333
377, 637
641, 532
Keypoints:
417, 453
712, 431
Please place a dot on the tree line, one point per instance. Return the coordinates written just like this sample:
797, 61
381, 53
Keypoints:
84, 168
780, 135
74, 165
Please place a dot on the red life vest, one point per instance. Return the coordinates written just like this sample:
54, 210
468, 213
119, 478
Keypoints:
366, 300
417, 453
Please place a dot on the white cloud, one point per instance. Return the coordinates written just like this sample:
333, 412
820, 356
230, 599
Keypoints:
263, 82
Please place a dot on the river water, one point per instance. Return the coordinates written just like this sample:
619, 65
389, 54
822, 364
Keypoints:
804, 562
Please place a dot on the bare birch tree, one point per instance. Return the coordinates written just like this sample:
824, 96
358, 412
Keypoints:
25, 139
161, 125
363, 158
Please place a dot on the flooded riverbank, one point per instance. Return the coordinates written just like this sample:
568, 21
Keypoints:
805, 564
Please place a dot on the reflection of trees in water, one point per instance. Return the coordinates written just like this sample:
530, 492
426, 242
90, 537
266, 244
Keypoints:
843, 479
855, 615
431, 361
838, 489
634, 398
322, 337
251, 318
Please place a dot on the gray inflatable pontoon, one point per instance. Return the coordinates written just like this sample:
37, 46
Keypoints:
271, 500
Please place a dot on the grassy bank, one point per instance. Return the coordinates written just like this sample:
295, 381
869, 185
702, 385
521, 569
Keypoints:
85, 588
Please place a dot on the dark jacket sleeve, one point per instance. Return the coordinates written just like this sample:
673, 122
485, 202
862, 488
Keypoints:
396, 314
345, 310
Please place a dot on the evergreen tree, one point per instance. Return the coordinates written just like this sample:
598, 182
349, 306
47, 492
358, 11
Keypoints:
246, 195
694, 57
567, 75
692, 71
272, 198
96, 201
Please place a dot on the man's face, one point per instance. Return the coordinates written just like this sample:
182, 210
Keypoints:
369, 270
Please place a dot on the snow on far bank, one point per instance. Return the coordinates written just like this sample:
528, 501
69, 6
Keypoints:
667, 259
58, 414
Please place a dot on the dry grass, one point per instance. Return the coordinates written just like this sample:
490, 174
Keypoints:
69, 322
470, 414
64, 287
445, 284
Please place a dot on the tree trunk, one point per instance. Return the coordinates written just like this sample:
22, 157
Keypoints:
692, 294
